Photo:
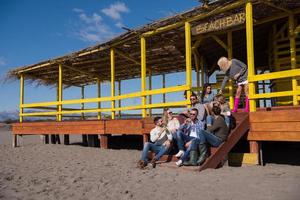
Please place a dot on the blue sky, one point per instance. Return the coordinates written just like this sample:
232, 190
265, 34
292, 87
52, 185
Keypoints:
35, 30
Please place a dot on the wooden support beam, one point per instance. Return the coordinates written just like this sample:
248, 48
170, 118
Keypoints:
112, 80
82, 72
220, 42
126, 56
275, 6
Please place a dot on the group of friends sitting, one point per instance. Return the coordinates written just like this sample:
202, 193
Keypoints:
206, 123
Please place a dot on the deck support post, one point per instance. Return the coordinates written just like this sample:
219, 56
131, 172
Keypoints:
230, 55
143, 75
99, 95
104, 141
292, 37
255, 147
112, 82
150, 88
84, 136
250, 53
119, 93
188, 58
15, 136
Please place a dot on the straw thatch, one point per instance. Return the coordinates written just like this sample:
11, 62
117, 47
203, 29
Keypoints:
165, 51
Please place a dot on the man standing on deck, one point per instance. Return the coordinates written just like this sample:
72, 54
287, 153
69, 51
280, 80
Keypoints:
161, 142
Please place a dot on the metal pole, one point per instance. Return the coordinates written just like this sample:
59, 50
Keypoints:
188, 58
143, 74
229, 51
112, 81
99, 95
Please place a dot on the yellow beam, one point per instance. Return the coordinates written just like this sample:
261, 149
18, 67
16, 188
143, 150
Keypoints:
119, 93
188, 57
293, 55
218, 10
21, 97
274, 94
60, 89
220, 42
128, 57
274, 75
229, 52
143, 74
197, 43
82, 104
250, 52
99, 96
112, 80
150, 88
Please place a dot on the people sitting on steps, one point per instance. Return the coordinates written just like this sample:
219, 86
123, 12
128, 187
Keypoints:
220, 101
186, 133
216, 133
160, 143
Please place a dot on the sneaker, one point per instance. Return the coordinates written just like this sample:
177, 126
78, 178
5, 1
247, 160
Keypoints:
179, 154
153, 162
179, 163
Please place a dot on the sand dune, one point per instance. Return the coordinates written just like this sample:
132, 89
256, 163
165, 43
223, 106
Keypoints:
37, 171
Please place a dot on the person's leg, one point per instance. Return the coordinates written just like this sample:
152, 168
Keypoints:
147, 147
181, 140
237, 98
211, 139
209, 120
160, 151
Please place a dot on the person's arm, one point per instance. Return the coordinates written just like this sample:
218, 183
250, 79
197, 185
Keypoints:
169, 135
226, 78
201, 112
215, 126
154, 134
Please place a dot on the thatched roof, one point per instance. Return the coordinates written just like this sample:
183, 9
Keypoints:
165, 50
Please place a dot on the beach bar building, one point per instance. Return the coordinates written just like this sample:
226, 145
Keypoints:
263, 34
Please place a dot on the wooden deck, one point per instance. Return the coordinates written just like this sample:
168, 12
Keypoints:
277, 124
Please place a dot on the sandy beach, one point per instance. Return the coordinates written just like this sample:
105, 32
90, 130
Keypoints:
37, 171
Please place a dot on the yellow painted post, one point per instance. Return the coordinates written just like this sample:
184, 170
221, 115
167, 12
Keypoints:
229, 51
119, 93
250, 53
21, 96
82, 104
15, 137
150, 88
112, 81
99, 95
293, 56
143, 74
188, 58
60, 91
164, 85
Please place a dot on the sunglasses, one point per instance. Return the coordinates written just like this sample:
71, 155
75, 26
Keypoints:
192, 99
169, 112
192, 113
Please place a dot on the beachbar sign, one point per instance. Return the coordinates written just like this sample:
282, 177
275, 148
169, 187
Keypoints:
220, 24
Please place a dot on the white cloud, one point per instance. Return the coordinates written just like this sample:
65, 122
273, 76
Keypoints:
114, 10
119, 24
91, 28
78, 10
2, 61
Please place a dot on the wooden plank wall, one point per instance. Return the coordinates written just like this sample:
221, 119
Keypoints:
275, 125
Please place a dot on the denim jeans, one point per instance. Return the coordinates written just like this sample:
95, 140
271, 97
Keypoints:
207, 137
182, 139
210, 120
159, 150
192, 147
